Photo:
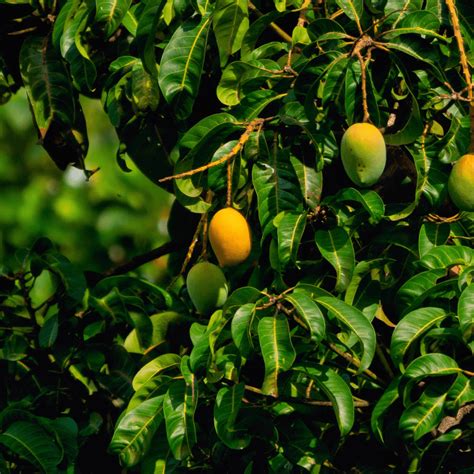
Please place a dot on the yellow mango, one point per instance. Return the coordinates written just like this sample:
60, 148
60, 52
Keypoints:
207, 287
230, 237
461, 183
363, 153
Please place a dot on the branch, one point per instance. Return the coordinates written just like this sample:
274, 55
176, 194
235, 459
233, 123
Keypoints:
449, 421
140, 260
283, 34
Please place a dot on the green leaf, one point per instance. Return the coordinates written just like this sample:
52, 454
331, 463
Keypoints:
466, 314
336, 247
151, 389
230, 23
277, 350
310, 180
179, 406
410, 328
423, 23
309, 311
388, 398
356, 321
146, 32
182, 64
277, 188
290, 228
336, 389
352, 8
155, 367
55, 106
31, 442
432, 235
445, 256
134, 431
425, 414
110, 13
431, 365
49, 332
226, 410
241, 328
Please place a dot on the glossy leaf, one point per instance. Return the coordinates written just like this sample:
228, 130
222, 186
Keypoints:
432, 235
182, 63
336, 389
410, 328
110, 13
134, 432
226, 410
445, 256
431, 365
309, 312
230, 23
466, 313
383, 405
336, 247
155, 367
290, 227
277, 350
354, 320
31, 442
179, 405
241, 328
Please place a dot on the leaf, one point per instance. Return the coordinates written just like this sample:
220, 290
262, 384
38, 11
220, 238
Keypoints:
309, 311
431, 365
55, 106
445, 256
424, 415
155, 367
356, 322
432, 235
226, 410
241, 328
277, 350
230, 23
31, 442
388, 398
310, 180
179, 406
49, 332
146, 33
134, 432
182, 64
110, 13
276, 186
410, 328
336, 389
290, 228
336, 247
424, 23
352, 8
466, 314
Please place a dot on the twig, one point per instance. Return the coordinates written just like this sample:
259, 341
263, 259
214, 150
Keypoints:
449, 421
283, 34
254, 124
384, 360
363, 79
229, 183
140, 260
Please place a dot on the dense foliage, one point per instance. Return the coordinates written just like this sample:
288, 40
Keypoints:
346, 342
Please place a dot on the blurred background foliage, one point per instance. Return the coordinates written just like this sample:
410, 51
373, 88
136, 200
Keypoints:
97, 223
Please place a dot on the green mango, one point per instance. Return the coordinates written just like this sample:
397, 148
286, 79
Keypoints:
461, 183
207, 287
363, 154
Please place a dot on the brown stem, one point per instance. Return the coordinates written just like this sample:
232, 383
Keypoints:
449, 421
363, 78
283, 34
140, 260
229, 183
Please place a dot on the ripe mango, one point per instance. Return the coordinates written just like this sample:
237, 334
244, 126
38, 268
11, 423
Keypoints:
461, 183
363, 153
207, 287
230, 237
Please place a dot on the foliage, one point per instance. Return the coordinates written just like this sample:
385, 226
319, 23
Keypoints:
347, 341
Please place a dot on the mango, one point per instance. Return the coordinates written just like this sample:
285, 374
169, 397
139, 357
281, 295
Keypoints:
230, 237
207, 287
461, 183
363, 154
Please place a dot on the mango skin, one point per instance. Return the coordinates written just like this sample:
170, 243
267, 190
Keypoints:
363, 154
207, 287
461, 183
230, 237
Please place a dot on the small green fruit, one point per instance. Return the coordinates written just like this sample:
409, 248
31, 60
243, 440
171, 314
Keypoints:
207, 287
461, 183
363, 154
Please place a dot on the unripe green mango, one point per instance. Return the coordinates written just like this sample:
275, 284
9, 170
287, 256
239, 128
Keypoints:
461, 183
207, 287
363, 153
